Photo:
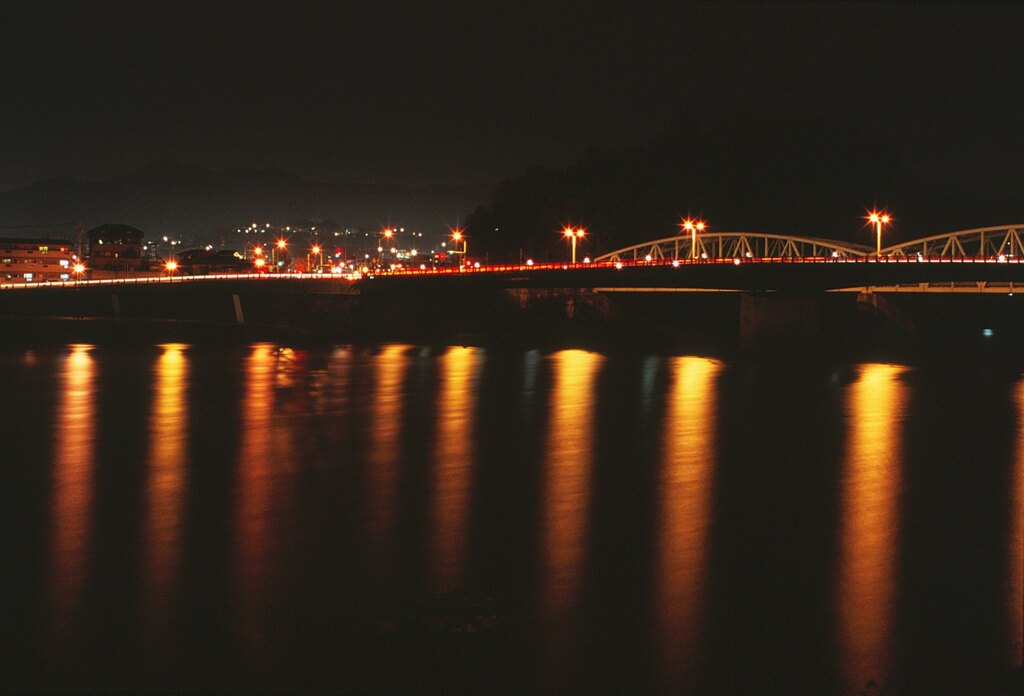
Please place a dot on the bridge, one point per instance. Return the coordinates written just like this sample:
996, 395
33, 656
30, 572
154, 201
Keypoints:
978, 260
762, 283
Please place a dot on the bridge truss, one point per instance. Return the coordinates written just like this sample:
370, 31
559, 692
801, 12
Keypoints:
1002, 242
736, 245
990, 243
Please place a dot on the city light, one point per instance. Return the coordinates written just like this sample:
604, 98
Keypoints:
281, 244
171, 266
257, 251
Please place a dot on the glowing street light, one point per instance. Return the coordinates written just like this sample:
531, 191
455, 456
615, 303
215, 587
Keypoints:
316, 251
458, 236
171, 266
879, 218
78, 269
260, 262
573, 235
693, 227
280, 246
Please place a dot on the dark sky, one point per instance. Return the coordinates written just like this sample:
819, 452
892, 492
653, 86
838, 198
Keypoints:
460, 93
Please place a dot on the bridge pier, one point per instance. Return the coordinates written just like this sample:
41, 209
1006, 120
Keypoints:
770, 318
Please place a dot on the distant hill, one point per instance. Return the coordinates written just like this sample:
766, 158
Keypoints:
171, 197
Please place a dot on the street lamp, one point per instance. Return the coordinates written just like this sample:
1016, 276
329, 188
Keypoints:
879, 218
457, 237
78, 269
574, 234
387, 233
279, 247
693, 227
171, 266
315, 249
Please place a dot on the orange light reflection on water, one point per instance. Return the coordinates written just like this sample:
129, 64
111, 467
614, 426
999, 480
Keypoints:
453, 472
1015, 589
74, 436
165, 484
385, 450
875, 411
687, 472
255, 489
569, 450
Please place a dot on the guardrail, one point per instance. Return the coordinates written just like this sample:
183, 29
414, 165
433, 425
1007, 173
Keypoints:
516, 268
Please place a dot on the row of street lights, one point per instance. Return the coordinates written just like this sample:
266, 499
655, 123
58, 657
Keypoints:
878, 218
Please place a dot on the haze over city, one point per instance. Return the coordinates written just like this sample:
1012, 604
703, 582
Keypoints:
457, 99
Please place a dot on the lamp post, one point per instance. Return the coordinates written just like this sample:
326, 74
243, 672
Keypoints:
317, 251
387, 233
458, 236
879, 218
693, 227
573, 235
279, 247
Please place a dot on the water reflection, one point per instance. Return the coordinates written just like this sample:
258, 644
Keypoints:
686, 477
165, 484
74, 435
453, 469
255, 487
385, 450
566, 473
875, 411
1015, 596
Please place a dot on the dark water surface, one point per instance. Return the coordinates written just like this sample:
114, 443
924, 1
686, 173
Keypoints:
435, 519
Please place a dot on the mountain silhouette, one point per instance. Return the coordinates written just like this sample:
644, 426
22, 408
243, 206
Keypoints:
200, 204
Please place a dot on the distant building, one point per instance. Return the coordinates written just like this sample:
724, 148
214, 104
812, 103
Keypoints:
205, 261
35, 260
115, 248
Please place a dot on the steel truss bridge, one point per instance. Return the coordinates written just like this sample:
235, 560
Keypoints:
981, 245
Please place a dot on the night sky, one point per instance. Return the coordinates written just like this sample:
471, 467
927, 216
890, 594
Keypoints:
464, 94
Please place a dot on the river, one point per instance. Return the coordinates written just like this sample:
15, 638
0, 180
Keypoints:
406, 518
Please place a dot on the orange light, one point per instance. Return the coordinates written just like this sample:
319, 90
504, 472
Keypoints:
567, 231
688, 225
879, 216
260, 263
316, 249
257, 250
580, 232
281, 244
171, 266
79, 268
389, 233
700, 226
457, 235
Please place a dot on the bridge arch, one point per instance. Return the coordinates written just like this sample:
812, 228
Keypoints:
980, 242
733, 245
